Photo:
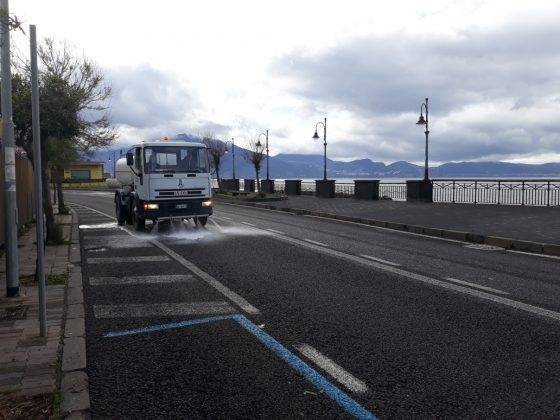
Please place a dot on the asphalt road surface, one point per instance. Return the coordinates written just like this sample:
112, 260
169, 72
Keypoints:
265, 314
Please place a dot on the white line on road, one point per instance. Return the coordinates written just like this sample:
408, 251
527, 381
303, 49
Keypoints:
348, 380
248, 224
381, 260
478, 286
162, 309
552, 257
231, 295
216, 224
109, 260
314, 242
276, 231
424, 279
173, 278
227, 218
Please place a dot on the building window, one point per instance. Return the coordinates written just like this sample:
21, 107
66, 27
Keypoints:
80, 174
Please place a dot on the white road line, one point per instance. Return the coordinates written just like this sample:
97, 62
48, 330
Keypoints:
314, 242
231, 295
216, 224
276, 231
174, 278
162, 309
536, 310
478, 286
381, 260
227, 218
116, 260
248, 224
552, 257
346, 379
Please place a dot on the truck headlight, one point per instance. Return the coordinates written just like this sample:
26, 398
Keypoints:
207, 203
151, 206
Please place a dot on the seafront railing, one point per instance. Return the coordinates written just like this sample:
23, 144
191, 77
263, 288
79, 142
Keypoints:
530, 192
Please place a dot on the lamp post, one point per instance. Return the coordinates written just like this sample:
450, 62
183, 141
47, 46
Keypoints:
266, 145
316, 137
232, 142
424, 122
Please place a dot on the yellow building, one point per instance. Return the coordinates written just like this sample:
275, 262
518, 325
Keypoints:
84, 171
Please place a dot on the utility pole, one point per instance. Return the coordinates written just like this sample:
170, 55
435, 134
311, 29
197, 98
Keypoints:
38, 184
10, 217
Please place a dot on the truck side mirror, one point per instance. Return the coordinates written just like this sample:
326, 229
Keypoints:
130, 159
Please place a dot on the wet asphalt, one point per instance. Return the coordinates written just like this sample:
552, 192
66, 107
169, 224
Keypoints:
421, 350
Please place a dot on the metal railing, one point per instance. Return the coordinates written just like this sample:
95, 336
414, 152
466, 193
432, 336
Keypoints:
528, 192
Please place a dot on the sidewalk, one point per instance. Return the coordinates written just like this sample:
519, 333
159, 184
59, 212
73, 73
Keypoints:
519, 227
30, 364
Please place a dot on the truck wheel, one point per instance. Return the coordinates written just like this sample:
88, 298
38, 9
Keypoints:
201, 220
139, 223
120, 212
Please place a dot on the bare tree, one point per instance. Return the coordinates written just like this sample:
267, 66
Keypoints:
255, 155
217, 150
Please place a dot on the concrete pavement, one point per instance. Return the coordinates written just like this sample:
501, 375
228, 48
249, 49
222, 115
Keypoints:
403, 325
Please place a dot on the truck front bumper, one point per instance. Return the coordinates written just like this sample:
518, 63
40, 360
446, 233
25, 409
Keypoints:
175, 208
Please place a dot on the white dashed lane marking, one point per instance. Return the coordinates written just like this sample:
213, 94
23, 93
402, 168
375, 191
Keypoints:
173, 278
478, 286
381, 260
162, 309
345, 378
116, 260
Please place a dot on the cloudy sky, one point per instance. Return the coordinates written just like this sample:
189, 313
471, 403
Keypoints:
490, 68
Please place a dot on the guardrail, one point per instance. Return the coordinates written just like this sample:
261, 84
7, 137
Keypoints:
530, 192
536, 192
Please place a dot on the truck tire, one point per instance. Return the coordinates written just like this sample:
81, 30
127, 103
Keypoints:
120, 212
139, 223
201, 220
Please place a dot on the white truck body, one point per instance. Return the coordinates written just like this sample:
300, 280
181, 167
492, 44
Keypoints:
164, 180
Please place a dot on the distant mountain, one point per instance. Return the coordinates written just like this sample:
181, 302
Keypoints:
297, 166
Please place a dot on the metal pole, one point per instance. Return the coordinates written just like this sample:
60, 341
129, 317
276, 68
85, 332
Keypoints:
10, 220
426, 175
38, 184
233, 152
114, 165
325, 145
267, 177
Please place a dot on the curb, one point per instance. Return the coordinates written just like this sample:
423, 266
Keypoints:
506, 243
74, 386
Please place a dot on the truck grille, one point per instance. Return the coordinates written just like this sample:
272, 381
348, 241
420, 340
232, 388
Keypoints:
180, 193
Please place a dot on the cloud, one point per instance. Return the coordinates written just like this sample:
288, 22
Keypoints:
493, 92
146, 97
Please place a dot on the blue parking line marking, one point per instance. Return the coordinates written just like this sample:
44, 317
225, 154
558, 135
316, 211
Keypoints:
340, 397
169, 326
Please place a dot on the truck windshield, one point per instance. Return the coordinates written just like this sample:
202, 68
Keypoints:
175, 159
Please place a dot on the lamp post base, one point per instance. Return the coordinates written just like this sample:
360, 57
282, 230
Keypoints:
267, 186
249, 185
324, 188
366, 189
292, 186
420, 191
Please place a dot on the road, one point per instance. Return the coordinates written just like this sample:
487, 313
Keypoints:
268, 314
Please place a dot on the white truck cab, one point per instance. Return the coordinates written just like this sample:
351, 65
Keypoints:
163, 180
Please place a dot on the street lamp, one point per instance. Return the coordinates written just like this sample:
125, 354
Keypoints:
266, 135
422, 121
316, 137
233, 155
